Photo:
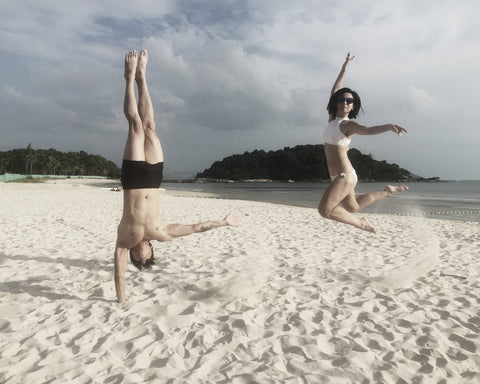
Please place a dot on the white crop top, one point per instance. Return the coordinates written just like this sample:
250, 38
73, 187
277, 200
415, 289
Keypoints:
333, 135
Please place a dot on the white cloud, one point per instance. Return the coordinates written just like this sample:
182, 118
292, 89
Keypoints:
419, 98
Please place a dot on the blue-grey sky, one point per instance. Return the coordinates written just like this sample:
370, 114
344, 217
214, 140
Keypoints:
237, 75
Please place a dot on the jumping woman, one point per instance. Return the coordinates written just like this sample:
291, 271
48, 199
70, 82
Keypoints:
339, 201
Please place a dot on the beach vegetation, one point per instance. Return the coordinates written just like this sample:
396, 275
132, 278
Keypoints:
50, 162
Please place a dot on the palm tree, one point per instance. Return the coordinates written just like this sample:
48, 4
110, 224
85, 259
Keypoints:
29, 151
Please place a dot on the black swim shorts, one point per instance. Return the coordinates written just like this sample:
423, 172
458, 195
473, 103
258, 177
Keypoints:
141, 175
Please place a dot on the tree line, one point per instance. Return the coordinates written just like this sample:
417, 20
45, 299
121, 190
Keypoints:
300, 163
29, 161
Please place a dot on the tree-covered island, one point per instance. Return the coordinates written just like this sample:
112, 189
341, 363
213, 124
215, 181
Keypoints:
302, 163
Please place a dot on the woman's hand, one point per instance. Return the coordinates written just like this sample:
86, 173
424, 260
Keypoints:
397, 129
348, 59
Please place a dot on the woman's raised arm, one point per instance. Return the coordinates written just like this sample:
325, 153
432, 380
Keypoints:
338, 83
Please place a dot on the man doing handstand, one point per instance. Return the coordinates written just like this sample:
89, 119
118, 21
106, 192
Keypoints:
142, 173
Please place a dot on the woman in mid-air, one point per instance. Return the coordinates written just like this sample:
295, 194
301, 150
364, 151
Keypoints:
339, 201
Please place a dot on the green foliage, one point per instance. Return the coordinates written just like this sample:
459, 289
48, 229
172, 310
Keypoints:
301, 163
52, 162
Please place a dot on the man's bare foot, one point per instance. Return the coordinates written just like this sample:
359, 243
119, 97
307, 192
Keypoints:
232, 219
130, 65
390, 189
366, 226
142, 64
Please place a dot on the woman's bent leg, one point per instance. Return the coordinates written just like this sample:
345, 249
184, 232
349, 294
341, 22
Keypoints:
339, 190
356, 204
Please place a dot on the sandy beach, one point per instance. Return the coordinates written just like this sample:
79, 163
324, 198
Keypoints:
286, 297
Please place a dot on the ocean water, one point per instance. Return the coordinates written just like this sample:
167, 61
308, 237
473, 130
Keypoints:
452, 200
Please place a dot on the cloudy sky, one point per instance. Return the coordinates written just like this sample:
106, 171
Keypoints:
229, 76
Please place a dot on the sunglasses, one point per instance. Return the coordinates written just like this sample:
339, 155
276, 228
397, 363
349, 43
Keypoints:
342, 100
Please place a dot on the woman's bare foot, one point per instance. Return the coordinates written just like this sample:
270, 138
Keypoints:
366, 226
130, 65
142, 64
390, 189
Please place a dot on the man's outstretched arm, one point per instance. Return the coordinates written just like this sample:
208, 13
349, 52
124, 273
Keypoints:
120, 263
177, 230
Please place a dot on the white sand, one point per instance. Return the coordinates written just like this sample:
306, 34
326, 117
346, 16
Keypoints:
287, 297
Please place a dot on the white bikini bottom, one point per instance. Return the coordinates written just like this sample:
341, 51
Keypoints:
343, 174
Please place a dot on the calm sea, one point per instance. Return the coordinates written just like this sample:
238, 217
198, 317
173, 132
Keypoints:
453, 200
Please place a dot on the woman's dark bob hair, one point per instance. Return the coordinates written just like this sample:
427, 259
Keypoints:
148, 263
332, 103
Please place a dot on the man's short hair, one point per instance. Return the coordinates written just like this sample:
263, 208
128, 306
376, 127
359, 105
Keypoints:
148, 263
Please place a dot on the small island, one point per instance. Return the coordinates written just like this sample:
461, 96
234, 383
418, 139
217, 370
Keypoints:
302, 163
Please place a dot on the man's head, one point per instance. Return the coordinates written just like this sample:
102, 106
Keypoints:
141, 255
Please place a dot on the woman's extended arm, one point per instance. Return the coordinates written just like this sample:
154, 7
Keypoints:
338, 83
350, 128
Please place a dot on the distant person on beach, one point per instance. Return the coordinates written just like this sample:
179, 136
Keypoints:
142, 174
339, 200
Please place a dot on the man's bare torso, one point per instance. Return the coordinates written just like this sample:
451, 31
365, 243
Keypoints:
141, 218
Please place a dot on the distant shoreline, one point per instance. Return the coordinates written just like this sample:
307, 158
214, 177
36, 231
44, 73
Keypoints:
9, 177
208, 180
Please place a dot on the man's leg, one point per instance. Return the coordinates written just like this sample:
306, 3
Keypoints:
134, 148
153, 148
177, 230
